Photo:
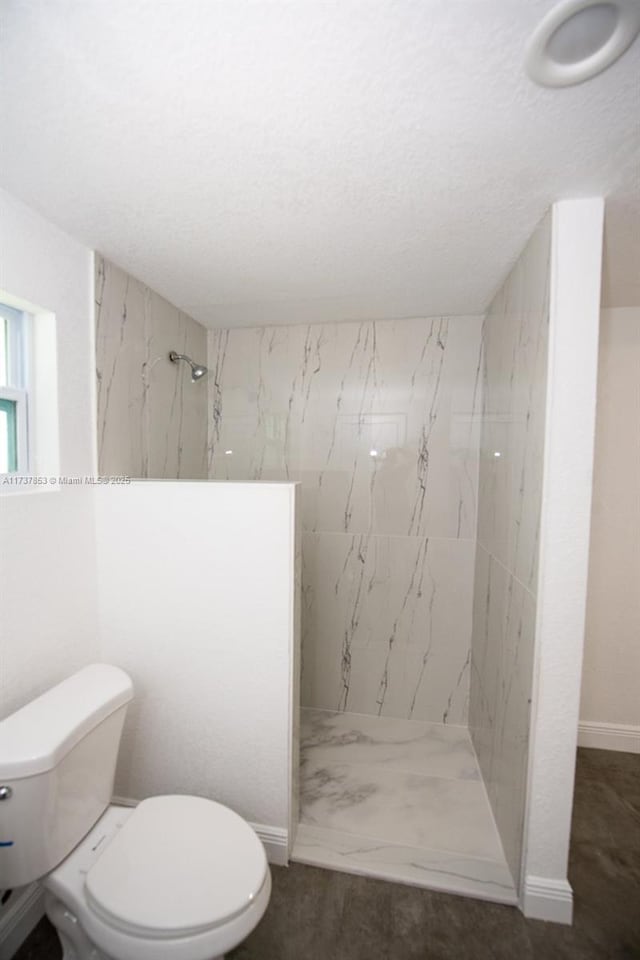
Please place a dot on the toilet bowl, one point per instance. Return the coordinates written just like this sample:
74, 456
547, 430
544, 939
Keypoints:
175, 878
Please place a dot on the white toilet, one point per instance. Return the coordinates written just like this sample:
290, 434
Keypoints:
175, 878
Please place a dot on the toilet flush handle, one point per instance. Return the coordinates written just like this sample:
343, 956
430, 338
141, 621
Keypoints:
6, 793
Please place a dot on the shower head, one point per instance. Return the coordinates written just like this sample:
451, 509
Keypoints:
197, 369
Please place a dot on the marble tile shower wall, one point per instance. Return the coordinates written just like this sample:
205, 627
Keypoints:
377, 421
152, 421
509, 503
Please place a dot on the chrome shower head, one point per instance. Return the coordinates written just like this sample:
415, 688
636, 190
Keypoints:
198, 370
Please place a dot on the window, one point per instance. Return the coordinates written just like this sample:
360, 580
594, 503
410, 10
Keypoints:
14, 406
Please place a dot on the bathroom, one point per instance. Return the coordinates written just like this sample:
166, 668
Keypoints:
345, 568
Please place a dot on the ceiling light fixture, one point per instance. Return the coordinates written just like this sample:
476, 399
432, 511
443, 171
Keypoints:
579, 39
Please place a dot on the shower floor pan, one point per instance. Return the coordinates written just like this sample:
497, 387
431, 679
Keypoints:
399, 800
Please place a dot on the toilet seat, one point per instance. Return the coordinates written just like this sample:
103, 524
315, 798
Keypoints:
179, 866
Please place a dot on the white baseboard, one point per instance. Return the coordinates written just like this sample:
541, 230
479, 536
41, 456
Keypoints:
20, 918
546, 899
276, 843
274, 839
609, 736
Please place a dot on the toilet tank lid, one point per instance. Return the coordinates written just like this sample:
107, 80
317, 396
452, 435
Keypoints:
36, 737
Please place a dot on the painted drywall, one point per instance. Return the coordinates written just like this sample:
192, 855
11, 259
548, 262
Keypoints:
376, 420
215, 717
611, 671
576, 266
48, 599
515, 336
197, 604
261, 163
152, 420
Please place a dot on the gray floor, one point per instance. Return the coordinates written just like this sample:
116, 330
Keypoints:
317, 914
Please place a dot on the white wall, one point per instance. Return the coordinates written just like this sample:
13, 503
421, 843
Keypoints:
576, 263
610, 707
196, 581
48, 602
197, 604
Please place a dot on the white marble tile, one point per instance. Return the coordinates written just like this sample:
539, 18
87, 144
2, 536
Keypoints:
177, 407
510, 493
380, 423
372, 804
501, 683
152, 421
515, 336
398, 807
313, 402
429, 749
386, 625
442, 870
120, 362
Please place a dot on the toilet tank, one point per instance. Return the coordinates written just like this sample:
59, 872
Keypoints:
58, 759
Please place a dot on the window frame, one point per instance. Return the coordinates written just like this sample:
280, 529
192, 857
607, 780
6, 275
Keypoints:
18, 345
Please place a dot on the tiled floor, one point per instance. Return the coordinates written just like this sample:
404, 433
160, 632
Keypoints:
398, 800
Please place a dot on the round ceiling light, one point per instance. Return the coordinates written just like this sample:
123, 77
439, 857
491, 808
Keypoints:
579, 39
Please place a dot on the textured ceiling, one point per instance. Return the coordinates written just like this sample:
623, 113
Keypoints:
272, 161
